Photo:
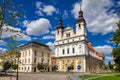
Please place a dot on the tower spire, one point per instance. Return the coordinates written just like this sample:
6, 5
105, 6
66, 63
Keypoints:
80, 18
80, 6
60, 22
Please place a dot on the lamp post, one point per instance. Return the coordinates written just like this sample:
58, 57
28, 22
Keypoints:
18, 55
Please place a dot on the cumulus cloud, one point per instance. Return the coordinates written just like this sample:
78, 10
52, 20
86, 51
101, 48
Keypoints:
52, 32
2, 50
48, 37
9, 31
38, 27
2, 43
104, 49
38, 4
47, 9
119, 3
96, 15
65, 14
109, 58
51, 46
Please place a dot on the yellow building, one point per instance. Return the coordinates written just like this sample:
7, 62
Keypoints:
31, 54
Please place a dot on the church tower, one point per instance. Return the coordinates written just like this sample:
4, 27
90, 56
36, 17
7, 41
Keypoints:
81, 25
59, 30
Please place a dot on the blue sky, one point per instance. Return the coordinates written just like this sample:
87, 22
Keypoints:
41, 18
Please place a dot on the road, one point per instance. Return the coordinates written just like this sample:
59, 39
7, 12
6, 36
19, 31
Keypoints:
38, 76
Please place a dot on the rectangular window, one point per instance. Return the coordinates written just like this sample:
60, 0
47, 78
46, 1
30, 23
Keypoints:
35, 60
68, 50
63, 51
29, 52
73, 50
29, 60
25, 60
35, 53
68, 35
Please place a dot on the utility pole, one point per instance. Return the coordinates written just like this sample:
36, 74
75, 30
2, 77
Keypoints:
18, 66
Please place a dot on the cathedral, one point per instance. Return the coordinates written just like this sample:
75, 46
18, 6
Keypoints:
73, 49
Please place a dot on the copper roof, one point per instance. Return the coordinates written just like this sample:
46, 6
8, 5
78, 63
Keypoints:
100, 54
53, 57
90, 46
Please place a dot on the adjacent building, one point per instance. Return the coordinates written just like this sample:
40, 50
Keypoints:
73, 48
31, 54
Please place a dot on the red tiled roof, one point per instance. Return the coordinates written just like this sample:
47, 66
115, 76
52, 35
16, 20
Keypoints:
53, 57
90, 46
100, 54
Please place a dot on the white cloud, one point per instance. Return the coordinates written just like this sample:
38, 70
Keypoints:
9, 31
96, 15
119, 3
65, 14
2, 50
41, 8
2, 43
25, 22
39, 13
48, 37
51, 46
104, 49
38, 4
38, 27
52, 32
49, 9
109, 58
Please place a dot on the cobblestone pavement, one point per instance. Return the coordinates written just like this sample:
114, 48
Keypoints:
44, 76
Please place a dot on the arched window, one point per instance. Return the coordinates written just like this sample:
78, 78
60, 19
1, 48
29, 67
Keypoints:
79, 26
58, 32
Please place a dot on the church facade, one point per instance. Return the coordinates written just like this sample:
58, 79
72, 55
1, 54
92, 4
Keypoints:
73, 49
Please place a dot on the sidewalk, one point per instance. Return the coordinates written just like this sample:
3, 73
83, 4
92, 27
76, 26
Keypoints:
74, 77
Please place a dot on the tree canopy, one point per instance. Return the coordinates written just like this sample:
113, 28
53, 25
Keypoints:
10, 14
116, 51
116, 35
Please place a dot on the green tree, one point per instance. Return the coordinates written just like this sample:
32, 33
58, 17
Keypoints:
116, 51
54, 68
14, 66
6, 65
70, 67
110, 65
116, 35
116, 55
10, 14
40, 66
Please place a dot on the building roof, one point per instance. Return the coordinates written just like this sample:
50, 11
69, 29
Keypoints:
53, 57
90, 46
34, 43
100, 54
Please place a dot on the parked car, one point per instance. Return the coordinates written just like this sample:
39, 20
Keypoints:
2, 70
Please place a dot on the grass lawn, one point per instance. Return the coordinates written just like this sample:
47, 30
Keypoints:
110, 73
108, 78
88, 76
